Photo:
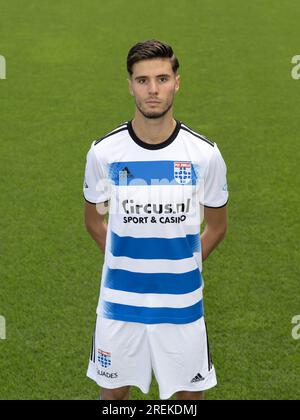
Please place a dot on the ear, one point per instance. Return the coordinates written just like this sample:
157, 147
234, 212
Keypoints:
130, 87
177, 85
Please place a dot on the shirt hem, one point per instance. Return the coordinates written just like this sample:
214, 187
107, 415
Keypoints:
188, 320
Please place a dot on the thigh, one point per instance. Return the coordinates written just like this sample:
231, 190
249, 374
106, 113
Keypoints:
190, 395
120, 355
115, 394
181, 358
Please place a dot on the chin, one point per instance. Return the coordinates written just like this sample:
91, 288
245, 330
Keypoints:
153, 116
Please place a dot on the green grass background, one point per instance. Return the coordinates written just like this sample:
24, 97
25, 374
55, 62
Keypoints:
66, 85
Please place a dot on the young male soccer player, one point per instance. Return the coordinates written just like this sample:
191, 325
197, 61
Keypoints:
160, 179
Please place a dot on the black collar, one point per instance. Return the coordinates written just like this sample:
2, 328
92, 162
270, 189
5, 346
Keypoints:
157, 146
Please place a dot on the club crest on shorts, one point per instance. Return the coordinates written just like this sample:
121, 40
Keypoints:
104, 358
182, 172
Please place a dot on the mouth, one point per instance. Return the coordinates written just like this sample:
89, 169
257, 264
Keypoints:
153, 102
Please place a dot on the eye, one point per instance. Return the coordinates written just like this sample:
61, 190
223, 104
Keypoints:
141, 80
163, 79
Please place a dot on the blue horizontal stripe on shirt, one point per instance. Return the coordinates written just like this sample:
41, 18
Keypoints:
168, 283
155, 248
145, 315
157, 172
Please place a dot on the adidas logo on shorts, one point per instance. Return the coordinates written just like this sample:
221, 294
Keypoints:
197, 378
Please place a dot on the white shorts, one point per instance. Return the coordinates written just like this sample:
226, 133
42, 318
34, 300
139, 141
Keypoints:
125, 353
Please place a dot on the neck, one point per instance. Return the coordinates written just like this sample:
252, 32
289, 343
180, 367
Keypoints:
153, 130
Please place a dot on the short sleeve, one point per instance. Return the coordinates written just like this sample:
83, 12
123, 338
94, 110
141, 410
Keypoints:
215, 182
96, 186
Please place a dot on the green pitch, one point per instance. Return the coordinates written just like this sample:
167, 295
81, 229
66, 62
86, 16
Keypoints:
65, 86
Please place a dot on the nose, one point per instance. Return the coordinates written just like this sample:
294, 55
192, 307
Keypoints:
153, 90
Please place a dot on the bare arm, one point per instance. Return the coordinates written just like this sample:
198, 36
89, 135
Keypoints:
95, 223
215, 229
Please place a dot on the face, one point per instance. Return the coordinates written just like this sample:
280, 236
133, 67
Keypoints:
153, 85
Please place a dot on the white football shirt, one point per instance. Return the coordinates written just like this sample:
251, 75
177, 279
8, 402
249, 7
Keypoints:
152, 263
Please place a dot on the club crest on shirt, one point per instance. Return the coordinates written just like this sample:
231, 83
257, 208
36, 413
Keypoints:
182, 172
104, 358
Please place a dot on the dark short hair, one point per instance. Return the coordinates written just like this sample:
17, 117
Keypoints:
148, 50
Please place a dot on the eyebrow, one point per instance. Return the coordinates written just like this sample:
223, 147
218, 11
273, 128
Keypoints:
146, 77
